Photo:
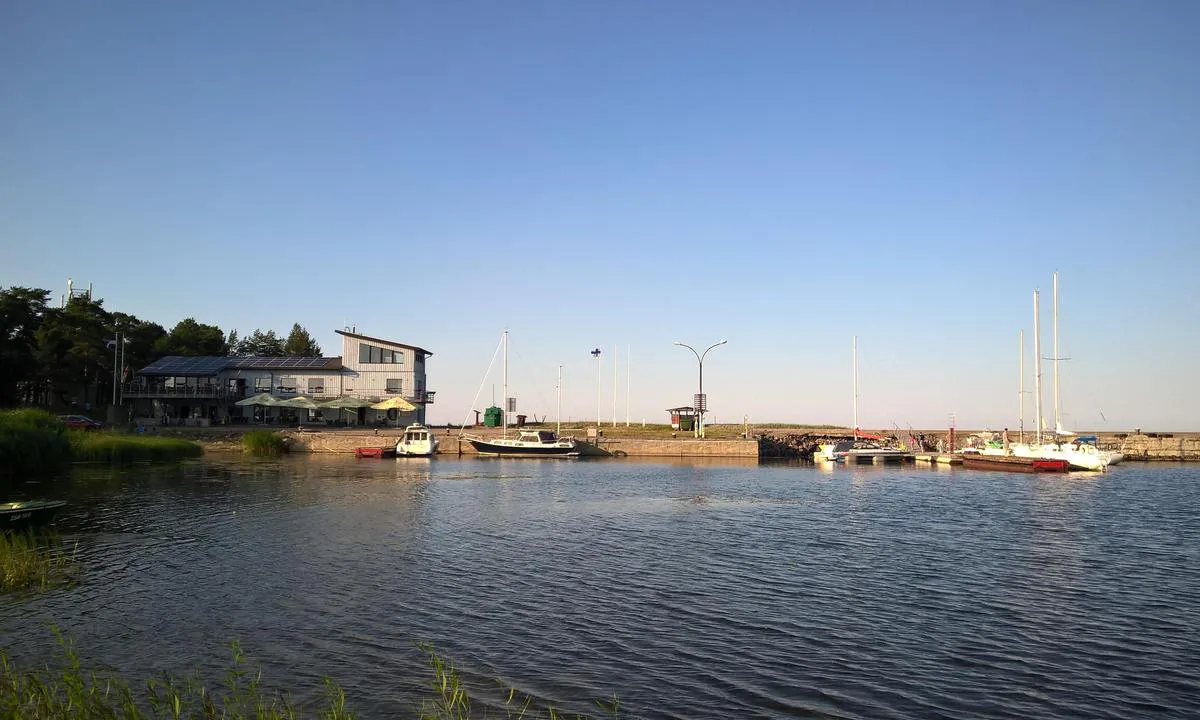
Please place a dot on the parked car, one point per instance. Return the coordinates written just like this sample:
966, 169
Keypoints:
80, 422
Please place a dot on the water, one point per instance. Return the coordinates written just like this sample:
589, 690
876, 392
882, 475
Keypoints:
689, 590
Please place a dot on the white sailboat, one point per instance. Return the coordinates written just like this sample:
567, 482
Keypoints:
862, 446
1081, 452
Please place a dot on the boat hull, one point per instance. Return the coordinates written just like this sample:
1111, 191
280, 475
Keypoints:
1010, 463
1085, 457
513, 449
22, 515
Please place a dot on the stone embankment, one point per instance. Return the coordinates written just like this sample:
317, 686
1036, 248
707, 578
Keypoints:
764, 442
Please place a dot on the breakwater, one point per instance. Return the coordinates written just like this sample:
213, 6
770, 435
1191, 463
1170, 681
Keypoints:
450, 443
764, 442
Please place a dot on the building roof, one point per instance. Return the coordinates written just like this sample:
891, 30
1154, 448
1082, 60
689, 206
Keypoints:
414, 348
209, 365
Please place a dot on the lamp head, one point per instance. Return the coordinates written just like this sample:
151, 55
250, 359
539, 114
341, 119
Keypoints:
596, 353
722, 342
676, 343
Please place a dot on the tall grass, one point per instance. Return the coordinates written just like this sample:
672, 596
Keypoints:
32, 441
29, 562
66, 690
115, 447
451, 700
264, 442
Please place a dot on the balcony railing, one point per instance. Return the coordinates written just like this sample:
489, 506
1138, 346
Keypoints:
178, 391
218, 392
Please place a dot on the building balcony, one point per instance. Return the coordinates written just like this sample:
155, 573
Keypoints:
179, 392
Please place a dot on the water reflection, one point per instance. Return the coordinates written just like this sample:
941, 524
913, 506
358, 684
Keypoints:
707, 589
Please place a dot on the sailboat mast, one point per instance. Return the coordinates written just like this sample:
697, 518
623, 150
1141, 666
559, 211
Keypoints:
1021, 390
614, 422
854, 372
1037, 364
1057, 416
558, 429
504, 387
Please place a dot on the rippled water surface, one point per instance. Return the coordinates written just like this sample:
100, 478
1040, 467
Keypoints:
689, 590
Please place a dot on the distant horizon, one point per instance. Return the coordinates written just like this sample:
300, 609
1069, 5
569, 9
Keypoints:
621, 176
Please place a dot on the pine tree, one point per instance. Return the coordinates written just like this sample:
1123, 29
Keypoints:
300, 344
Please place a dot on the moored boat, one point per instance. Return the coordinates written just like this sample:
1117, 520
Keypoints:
528, 443
418, 441
28, 513
1011, 463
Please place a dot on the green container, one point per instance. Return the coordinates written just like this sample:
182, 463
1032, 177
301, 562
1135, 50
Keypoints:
493, 416
687, 423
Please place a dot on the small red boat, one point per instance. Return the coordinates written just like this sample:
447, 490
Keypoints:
1009, 463
374, 452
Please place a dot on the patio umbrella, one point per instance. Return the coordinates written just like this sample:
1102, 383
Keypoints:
263, 400
299, 402
398, 404
346, 403
394, 403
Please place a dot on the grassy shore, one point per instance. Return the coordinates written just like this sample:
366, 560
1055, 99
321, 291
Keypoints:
116, 448
265, 443
34, 441
30, 562
65, 689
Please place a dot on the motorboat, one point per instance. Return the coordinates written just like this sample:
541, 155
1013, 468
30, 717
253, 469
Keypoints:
28, 513
857, 450
527, 443
417, 441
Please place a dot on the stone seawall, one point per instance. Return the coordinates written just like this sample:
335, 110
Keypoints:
1160, 446
347, 442
1137, 447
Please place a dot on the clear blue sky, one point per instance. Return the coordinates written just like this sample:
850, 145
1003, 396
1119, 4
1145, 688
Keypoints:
782, 174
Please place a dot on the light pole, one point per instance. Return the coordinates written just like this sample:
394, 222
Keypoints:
701, 403
596, 354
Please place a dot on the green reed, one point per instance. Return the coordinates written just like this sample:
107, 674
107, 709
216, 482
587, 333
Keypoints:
263, 442
118, 448
32, 441
28, 562
65, 689
451, 700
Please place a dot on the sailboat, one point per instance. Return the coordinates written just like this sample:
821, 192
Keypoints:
862, 446
1080, 452
528, 442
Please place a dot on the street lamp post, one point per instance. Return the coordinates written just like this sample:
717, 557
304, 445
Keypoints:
596, 354
701, 404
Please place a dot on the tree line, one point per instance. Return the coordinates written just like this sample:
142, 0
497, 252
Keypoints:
54, 355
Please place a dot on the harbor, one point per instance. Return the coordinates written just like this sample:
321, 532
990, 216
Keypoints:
763, 443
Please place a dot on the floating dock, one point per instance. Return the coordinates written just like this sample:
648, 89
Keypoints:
934, 458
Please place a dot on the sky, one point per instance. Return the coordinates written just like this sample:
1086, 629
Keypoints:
785, 175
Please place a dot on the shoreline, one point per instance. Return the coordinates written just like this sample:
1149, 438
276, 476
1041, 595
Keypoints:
656, 441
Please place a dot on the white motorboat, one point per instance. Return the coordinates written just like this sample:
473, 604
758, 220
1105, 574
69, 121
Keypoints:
417, 441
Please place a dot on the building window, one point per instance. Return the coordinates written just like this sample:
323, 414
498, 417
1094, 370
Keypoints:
287, 384
395, 385
316, 385
262, 384
379, 356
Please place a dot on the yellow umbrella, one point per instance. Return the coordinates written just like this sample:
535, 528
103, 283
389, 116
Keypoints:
394, 403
